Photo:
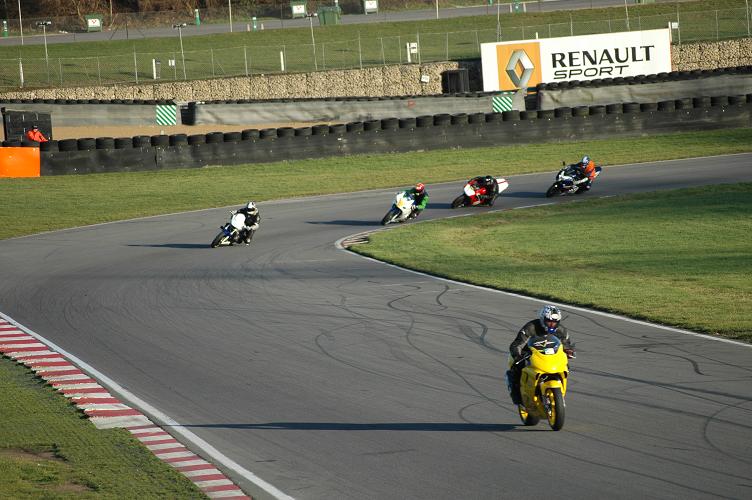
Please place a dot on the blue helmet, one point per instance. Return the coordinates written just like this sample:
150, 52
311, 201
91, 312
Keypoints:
550, 316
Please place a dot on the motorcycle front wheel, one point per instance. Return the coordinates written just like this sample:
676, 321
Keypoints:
552, 191
526, 417
390, 216
459, 201
220, 239
556, 405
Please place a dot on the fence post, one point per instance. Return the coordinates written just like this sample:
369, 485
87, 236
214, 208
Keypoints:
99, 70
399, 47
60, 65
212, 60
383, 56
135, 64
447, 46
323, 55
571, 25
717, 34
746, 11
419, 48
20, 73
245, 59
360, 52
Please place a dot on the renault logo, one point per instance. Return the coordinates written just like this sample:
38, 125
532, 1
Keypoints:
520, 58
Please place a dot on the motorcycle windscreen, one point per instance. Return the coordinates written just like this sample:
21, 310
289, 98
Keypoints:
238, 221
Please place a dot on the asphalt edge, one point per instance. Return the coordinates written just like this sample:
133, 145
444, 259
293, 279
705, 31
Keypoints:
106, 411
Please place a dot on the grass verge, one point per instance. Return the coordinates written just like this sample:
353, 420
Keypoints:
41, 204
678, 258
49, 450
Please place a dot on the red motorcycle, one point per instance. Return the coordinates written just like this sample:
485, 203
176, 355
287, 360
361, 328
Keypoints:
477, 192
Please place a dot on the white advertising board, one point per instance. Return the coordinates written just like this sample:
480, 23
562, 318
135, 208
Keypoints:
526, 63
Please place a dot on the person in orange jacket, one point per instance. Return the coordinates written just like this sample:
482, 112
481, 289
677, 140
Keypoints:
34, 134
585, 171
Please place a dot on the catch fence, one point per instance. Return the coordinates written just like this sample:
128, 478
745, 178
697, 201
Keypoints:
246, 60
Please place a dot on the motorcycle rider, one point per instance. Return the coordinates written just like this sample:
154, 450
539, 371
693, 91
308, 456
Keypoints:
547, 322
486, 188
420, 195
585, 170
252, 219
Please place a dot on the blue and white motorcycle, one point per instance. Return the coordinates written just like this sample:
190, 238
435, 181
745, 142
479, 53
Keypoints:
232, 232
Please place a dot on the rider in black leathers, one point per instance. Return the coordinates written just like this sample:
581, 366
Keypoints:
548, 322
252, 220
489, 191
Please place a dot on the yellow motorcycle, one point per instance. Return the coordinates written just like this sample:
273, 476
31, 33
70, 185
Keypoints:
543, 383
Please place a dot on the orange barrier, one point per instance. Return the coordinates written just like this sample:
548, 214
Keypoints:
19, 162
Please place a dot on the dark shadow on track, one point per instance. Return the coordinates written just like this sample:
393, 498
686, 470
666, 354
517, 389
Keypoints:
396, 426
344, 222
524, 194
174, 245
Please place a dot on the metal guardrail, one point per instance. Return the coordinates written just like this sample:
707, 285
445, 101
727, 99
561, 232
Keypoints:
141, 67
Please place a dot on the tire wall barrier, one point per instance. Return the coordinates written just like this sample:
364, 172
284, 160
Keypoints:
341, 110
441, 131
638, 90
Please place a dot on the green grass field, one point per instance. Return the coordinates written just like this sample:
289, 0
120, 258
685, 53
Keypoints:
49, 450
76, 200
346, 46
680, 258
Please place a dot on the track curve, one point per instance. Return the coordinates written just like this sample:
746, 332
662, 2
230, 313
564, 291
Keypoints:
333, 376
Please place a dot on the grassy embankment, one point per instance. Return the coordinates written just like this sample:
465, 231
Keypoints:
680, 258
348, 46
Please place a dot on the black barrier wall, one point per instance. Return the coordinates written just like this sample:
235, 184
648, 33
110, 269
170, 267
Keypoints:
441, 131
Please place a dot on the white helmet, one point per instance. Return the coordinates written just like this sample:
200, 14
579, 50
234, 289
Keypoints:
585, 160
251, 206
549, 317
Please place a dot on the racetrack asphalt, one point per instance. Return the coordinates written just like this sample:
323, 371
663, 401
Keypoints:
329, 375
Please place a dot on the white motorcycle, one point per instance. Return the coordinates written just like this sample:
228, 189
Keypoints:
473, 196
233, 232
401, 209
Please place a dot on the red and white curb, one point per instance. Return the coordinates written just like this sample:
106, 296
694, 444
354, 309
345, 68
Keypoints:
106, 411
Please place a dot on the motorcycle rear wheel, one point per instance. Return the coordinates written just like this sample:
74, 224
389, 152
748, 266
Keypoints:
526, 417
390, 216
556, 402
220, 239
459, 201
552, 191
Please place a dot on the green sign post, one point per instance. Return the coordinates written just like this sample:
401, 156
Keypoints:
517, 6
196, 17
5, 28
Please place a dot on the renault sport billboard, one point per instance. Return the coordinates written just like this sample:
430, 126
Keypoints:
526, 63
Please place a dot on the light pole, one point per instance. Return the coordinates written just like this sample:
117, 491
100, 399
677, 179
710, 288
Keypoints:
180, 27
626, 9
43, 25
20, 21
229, 7
313, 40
